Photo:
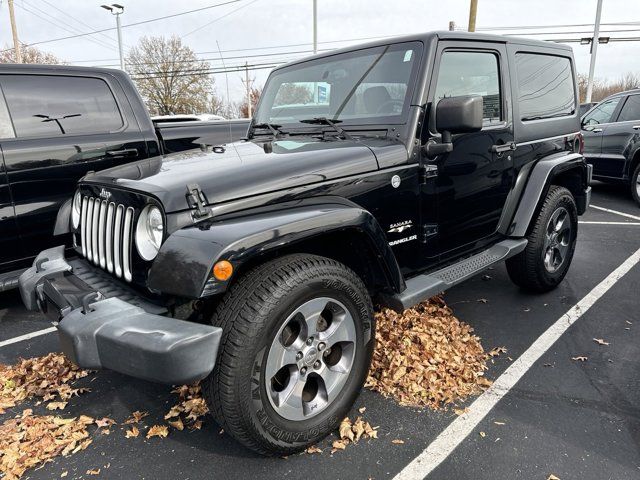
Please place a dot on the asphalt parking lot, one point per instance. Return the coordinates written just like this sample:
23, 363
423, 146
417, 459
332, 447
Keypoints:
573, 419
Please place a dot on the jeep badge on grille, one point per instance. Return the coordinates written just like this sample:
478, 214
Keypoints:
105, 194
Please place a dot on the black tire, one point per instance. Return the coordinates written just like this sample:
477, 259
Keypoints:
251, 314
528, 269
635, 185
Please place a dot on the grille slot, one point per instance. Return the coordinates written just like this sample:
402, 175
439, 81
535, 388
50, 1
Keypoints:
105, 232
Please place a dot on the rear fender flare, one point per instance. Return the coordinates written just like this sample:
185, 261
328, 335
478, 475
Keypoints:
184, 264
540, 179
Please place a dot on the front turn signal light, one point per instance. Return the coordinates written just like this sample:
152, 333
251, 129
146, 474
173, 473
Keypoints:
222, 270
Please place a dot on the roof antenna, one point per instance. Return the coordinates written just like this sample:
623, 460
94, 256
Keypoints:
226, 80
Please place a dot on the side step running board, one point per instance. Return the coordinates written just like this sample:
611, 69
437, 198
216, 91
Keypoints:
423, 287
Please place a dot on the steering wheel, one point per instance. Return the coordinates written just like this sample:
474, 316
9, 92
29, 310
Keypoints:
393, 103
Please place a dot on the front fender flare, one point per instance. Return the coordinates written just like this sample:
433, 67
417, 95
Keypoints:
184, 264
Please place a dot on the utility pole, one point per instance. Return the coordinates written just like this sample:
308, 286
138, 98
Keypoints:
14, 31
247, 83
594, 49
452, 26
473, 10
117, 10
315, 26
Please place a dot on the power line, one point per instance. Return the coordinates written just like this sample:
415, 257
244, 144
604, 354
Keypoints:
103, 35
55, 22
135, 23
219, 18
537, 27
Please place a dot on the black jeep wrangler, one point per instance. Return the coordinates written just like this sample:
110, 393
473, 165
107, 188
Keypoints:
377, 175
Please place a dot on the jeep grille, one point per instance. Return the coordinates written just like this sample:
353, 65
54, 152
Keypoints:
106, 231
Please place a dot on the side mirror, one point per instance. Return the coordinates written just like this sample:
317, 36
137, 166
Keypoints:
455, 115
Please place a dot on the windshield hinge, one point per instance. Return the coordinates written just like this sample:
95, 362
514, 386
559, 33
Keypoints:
197, 201
428, 171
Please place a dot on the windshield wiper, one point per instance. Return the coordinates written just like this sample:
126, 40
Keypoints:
276, 130
326, 121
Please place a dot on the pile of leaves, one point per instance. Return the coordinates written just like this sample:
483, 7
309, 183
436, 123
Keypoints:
426, 357
31, 440
189, 410
48, 377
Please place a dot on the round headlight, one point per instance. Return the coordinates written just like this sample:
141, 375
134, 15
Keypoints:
76, 207
149, 232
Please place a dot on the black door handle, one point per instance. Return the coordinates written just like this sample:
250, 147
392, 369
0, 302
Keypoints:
503, 147
127, 152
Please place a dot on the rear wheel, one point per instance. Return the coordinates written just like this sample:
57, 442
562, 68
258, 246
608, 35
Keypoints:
296, 346
551, 243
635, 184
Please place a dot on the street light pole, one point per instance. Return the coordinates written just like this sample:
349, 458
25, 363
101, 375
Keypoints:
315, 26
117, 10
594, 49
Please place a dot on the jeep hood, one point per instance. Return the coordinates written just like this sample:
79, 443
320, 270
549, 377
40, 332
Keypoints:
240, 169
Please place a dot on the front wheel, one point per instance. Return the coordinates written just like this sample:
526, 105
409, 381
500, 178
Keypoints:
298, 336
551, 243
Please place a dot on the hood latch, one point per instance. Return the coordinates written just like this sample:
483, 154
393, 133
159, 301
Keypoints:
197, 201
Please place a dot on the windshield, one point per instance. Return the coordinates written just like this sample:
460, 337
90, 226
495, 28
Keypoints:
367, 86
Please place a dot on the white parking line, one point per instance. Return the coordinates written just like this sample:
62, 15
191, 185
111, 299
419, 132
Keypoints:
584, 222
463, 425
628, 215
27, 336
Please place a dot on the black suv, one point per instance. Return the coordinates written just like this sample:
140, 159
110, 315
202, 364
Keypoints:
375, 175
611, 132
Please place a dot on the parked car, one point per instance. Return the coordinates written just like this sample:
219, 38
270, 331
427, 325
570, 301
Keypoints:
585, 107
611, 134
56, 124
416, 163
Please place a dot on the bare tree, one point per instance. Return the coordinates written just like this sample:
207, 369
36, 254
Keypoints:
603, 88
29, 55
255, 96
169, 76
291, 93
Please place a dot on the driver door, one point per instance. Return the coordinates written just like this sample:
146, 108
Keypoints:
465, 198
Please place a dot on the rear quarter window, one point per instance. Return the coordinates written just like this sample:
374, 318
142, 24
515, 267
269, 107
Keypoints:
545, 86
51, 105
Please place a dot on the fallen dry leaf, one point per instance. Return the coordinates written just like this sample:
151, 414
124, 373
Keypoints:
552, 477
427, 357
600, 341
362, 409
397, 441
499, 423
93, 472
313, 449
579, 358
178, 425
64, 474
482, 434
135, 417
460, 411
158, 431
105, 422
345, 429
133, 432
339, 445
56, 405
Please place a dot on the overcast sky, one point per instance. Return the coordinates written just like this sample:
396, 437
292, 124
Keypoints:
248, 27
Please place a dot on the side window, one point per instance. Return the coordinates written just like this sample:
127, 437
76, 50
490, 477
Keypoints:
602, 113
48, 105
545, 86
630, 109
471, 73
6, 127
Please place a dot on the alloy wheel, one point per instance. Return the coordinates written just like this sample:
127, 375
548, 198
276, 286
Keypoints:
310, 358
557, 239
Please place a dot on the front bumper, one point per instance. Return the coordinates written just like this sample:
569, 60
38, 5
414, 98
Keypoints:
102, 324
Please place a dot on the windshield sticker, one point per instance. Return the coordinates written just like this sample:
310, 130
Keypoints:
407, 56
